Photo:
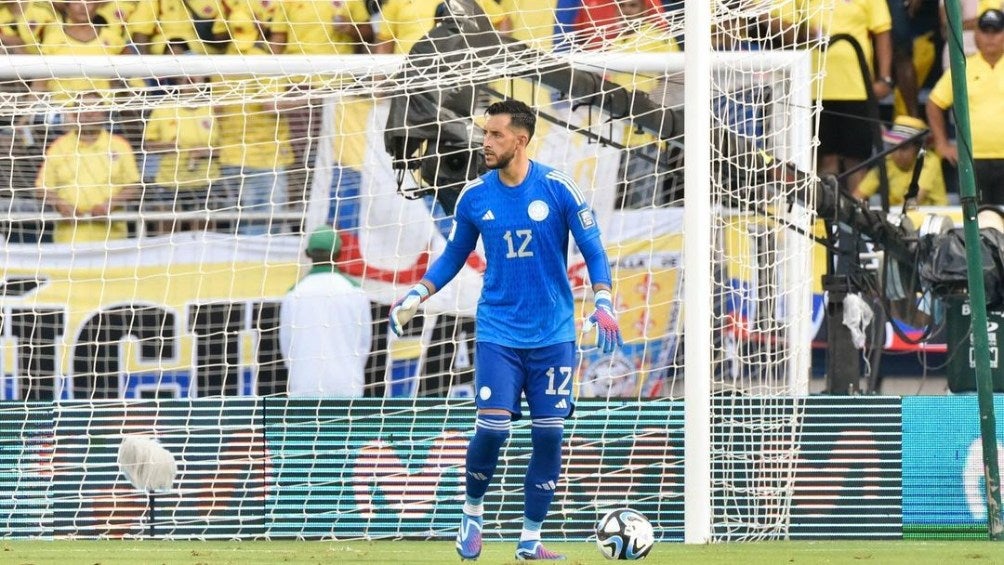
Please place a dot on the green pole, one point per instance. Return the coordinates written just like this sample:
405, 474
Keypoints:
974, 263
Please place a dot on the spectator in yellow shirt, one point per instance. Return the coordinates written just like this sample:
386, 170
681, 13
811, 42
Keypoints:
157, 23
845, 127
900, 165
531, 21
318, 27
985, 80
254, 154
252, 27
77, 35
21, 24
87, 173
405, 22
185, 137
113, 11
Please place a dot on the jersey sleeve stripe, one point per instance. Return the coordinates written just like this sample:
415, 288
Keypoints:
473, 184
569, 185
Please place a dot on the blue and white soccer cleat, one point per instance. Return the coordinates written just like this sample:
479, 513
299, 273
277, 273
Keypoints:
469, 537
535, 551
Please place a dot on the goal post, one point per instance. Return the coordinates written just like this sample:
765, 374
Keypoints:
168, 321
698, 255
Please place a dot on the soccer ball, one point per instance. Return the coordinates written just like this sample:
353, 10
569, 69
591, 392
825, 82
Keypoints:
624, 534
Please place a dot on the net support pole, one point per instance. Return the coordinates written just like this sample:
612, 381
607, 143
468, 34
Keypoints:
697, 286
799, 302
974, 264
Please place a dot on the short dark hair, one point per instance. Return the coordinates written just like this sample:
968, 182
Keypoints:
322, 255
522, 116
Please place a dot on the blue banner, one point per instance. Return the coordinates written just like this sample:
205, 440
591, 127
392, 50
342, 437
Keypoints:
943, 482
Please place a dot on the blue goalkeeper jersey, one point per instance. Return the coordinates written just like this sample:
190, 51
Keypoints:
526, 299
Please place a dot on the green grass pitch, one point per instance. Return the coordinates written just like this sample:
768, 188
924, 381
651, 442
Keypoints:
438, 553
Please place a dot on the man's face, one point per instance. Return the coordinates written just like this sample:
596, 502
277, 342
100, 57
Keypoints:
632, 8
905, 156
91, 115
79, 11
990, 42
501, 141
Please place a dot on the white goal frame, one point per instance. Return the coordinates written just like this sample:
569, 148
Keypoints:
698, 74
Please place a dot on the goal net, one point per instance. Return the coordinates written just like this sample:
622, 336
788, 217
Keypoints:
158, 207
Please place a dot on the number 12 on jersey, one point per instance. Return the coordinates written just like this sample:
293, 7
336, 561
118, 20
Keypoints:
524, 237
564, 375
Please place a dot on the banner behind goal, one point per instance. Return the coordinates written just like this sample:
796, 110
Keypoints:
156, 213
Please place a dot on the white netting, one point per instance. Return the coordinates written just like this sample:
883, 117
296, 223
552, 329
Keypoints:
158, 207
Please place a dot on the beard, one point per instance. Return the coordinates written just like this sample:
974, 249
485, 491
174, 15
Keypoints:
501, 161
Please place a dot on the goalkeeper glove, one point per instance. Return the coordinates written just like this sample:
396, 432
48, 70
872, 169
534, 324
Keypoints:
608, 333
404, 309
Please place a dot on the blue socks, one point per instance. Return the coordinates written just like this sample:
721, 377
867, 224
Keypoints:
490, 433
542, 473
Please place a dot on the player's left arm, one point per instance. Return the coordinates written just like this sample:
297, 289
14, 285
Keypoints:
586, 232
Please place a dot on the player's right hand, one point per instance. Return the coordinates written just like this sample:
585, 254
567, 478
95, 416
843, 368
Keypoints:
405, 308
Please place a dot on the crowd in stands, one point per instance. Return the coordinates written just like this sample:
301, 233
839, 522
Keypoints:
241, 155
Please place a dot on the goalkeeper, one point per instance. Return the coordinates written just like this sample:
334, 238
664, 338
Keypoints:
523, 211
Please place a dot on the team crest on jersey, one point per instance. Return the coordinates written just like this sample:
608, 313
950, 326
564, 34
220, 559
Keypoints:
538, 210
586, 217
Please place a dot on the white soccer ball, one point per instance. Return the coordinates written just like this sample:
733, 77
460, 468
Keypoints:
625, 534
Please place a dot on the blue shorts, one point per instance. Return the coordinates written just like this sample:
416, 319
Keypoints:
544, 374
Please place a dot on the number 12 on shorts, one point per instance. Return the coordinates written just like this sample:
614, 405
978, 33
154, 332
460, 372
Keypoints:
563, 376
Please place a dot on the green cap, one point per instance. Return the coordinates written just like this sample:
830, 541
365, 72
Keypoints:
325, 239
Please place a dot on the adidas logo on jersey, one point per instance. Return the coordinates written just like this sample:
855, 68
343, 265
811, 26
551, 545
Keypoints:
561, 404
488, 216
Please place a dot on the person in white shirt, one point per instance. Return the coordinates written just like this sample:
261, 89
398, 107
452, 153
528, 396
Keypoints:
325, 326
